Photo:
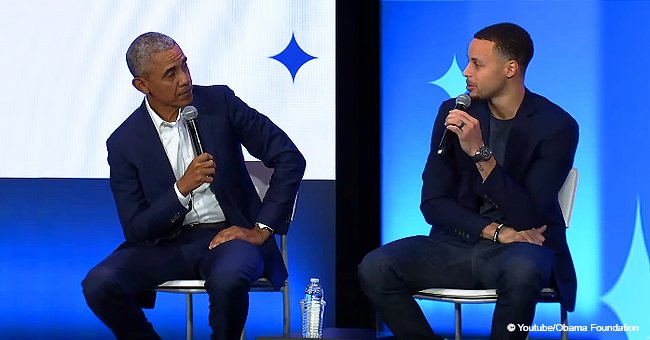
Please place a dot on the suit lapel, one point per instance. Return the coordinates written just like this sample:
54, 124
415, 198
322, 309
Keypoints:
518, 139
204, 125
155, 160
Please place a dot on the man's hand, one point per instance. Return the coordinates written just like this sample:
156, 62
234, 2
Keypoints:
534, 235
509, 235
255, 236
200, 171
467, 128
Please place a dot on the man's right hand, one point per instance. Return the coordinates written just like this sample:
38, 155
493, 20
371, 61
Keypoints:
201, 170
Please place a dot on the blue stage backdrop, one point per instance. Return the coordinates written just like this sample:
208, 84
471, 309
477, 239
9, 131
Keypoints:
55, 230
66, 88
589, 59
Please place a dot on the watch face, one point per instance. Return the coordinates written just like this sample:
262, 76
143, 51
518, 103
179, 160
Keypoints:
486, 153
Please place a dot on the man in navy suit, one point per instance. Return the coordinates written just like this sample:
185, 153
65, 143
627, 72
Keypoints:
189, 216
491, 198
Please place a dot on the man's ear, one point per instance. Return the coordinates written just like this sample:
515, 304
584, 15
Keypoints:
140, 85
512, 68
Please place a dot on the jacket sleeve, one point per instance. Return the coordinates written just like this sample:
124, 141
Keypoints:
268, 143
141, 220
525, 203
439, 203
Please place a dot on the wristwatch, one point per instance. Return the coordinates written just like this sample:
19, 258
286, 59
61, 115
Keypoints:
484, 153
264, 227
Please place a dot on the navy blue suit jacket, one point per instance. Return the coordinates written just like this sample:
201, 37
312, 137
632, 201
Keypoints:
539, 154
142, 179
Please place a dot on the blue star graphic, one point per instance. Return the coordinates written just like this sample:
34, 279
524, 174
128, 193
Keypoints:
293, 57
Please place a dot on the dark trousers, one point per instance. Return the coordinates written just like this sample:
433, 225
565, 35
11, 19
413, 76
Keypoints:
391, 274
112, 286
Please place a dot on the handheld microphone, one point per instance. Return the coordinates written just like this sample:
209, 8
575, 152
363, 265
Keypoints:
462, 103
190, 113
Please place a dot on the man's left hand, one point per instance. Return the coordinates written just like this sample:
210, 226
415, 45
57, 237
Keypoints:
255, 236
467, 128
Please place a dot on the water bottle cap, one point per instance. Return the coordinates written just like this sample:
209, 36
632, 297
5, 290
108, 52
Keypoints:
314, 280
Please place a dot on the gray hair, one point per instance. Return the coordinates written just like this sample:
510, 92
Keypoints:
142, 48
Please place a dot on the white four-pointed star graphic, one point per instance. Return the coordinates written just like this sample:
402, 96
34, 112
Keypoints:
453, 82
629, 298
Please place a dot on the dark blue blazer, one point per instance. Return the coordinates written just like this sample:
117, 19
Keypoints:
142, 179
539, 154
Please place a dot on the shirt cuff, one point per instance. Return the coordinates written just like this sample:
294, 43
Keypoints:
264, 226
185, 200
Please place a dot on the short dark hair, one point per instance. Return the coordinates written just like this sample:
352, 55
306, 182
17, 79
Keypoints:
510, 40
142, 48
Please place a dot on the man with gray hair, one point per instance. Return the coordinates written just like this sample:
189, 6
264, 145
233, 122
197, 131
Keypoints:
142, 48
186, 215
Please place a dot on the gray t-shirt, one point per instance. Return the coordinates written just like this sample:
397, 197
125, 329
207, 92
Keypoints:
499, 132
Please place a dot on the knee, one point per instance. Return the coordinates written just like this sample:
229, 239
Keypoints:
374, 269
526, 273
99, 283
225, 282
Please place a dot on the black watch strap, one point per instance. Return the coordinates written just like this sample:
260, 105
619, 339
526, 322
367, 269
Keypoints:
484, 153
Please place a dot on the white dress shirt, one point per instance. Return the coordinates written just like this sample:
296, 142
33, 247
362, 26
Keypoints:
175, 139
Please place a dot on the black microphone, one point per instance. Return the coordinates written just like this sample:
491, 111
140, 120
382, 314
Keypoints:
190, 113
462, 103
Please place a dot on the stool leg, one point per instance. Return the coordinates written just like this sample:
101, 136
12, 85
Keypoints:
459, 323
189, 326
286, 323
565, 322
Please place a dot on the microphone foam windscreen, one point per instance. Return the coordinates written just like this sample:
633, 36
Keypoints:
189, 113
464, 100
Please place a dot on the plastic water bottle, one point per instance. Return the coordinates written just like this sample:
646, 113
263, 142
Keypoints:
313, 307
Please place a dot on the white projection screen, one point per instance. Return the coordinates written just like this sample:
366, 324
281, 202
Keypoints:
65, 85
